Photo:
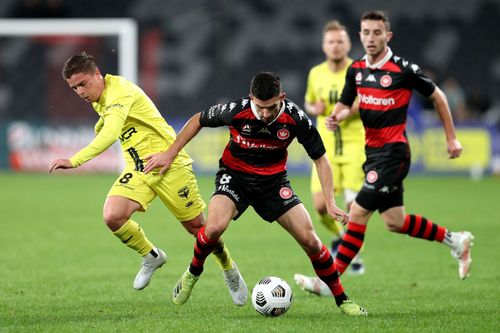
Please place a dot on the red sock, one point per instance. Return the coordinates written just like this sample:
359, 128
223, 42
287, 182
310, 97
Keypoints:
351, 244
420, 227
202, 248
324, 266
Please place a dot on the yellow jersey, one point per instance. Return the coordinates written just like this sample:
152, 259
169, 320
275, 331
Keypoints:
126, 113
325, 85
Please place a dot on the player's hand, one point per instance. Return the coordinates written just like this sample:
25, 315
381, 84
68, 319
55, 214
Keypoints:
60, 164
332, 122
338, 214
157, 160
454, 148
319, 108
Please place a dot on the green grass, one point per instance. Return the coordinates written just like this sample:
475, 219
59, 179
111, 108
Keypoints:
62, 271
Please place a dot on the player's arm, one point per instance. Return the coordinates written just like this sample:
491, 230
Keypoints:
340, 112
313, 104
98, 126
108, 134
343, 108
440, 102
215, 116
354, 107
424, 85
315, 109
326, 179
165, 159
104, 139
309, 138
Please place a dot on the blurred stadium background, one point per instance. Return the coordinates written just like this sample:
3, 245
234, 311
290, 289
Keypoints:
192, 54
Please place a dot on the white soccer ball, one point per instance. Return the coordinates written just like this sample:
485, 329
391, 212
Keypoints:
272, 296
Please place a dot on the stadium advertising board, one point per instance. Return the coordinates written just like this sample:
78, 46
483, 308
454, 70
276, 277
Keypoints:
30, 147
429, 150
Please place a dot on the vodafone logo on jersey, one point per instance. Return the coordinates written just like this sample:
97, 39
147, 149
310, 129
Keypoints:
385, 81
286, 193
371, 176
283, 134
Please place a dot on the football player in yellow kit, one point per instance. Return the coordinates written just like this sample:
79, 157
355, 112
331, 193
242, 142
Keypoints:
126, 113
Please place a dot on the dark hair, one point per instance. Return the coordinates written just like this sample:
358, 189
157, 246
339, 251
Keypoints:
80, 63
265, 85
377, 15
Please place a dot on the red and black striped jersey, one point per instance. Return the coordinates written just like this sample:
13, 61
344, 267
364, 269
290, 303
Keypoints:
384, 91
258, 148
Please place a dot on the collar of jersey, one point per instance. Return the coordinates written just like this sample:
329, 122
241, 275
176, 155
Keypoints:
107, 82
256, 114
382, 62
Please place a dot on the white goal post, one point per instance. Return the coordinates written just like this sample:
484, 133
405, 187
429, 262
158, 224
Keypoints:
124, 29
30, 146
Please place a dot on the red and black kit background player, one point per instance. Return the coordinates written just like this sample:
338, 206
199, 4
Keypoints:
253, 165
384, 91
383, 83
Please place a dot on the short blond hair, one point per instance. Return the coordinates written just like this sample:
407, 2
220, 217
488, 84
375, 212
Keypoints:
334, 25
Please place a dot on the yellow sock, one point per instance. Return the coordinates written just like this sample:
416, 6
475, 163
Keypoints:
131, 234
334, 226
222, 256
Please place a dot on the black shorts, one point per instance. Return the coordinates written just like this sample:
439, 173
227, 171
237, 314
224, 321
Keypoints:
385, 169
270, 196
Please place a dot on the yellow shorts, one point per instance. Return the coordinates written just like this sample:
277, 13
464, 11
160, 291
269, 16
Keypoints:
177, 189
347, 170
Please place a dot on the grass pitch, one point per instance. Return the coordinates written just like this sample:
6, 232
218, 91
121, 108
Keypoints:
62, 271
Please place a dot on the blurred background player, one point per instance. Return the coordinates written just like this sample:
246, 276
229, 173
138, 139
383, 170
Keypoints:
252, 172
383, 83
126, 113
344, 146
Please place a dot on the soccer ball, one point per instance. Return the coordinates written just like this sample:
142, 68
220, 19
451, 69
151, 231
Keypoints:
272, 296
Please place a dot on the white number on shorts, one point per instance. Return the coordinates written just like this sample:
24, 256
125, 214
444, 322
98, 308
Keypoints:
225, 179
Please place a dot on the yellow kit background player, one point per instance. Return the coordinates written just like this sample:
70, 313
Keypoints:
126, 113
345, 146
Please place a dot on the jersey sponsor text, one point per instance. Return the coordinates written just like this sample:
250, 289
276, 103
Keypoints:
372, 100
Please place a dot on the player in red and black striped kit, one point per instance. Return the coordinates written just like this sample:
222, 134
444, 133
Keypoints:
253, 173
383, 83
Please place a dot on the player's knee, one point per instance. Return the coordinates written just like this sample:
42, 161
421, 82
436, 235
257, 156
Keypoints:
194, 225
348, 205
312, 245
192, 228
114, 219
214, 230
